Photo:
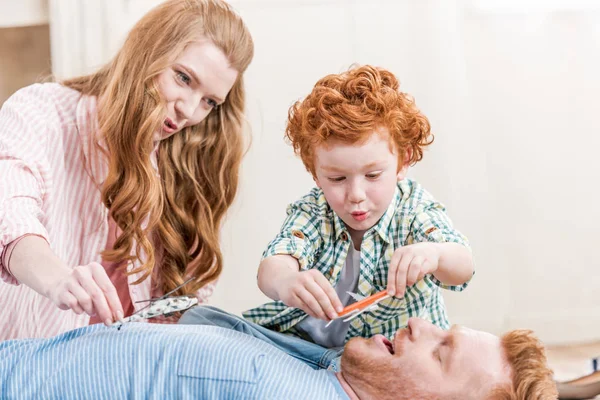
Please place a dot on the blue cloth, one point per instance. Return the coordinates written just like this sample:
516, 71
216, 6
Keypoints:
149, 361
313, 355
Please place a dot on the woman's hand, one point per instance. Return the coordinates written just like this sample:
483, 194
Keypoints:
87, 288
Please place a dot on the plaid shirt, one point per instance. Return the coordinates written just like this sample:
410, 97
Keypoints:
318, 238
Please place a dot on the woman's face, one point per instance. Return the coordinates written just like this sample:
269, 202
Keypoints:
198, 81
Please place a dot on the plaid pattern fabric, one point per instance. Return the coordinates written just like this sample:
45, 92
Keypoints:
318, 238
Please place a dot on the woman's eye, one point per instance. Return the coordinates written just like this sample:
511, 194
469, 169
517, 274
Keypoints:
184, 78
211, 103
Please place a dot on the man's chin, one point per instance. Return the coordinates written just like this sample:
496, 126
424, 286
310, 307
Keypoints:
352, 351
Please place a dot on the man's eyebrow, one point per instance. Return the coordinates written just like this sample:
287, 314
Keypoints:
451, 343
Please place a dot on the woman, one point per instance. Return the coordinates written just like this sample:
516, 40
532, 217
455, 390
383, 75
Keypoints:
114, 184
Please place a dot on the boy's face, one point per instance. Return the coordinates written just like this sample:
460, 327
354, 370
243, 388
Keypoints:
358, 180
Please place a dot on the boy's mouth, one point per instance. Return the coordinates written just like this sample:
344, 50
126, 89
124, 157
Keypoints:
359, 215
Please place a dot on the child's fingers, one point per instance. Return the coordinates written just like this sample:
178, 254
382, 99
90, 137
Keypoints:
391, 286
298, 303
324, 302
428, 267
401, 274
330, 292
415, 267
312, 304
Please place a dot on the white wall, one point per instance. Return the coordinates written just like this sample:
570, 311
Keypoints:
23, 13
511, 97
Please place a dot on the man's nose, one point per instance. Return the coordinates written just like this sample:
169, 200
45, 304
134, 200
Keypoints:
420, 327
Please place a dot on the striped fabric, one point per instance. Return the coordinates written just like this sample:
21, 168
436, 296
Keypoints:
149, 361
50, 187
318, 238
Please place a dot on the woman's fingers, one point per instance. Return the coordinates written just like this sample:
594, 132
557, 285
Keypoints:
109, 291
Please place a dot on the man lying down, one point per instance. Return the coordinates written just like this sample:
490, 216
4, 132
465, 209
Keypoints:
151, 361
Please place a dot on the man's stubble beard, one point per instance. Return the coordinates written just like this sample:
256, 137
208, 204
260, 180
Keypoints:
373, 379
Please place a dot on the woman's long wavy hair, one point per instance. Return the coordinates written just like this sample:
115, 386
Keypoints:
175, 219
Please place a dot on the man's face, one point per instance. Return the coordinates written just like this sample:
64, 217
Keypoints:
424, 361
358, 180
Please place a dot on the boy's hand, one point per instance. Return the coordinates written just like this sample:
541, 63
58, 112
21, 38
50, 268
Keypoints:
410, 264
311, 292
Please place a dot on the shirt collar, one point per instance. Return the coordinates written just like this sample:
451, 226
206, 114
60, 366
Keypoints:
382, 227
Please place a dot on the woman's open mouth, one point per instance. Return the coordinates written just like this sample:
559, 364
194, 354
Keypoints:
169, 126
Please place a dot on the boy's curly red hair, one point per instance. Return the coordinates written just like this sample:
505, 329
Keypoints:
351, 106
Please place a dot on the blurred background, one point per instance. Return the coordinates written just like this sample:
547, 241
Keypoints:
510, 88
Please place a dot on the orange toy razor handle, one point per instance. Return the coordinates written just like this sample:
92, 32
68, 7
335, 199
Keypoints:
363, 303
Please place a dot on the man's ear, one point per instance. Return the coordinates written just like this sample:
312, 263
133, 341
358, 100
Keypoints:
403, 170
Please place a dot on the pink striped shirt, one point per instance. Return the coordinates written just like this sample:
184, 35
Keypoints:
48, 187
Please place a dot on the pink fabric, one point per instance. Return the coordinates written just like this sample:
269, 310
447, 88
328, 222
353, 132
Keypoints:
51, 175
116, 274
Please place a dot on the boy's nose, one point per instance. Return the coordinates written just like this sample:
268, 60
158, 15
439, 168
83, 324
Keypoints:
356, 194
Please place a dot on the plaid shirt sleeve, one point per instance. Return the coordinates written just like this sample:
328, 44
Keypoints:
299, 236
432, 224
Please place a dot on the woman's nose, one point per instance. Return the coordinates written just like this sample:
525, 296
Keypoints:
186, 105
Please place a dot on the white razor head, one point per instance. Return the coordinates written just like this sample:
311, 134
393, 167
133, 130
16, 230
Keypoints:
356, 296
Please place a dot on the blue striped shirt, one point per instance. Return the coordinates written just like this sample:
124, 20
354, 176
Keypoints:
150, 361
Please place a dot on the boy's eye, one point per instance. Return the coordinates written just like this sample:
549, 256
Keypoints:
184, 78
337, 179
374, 176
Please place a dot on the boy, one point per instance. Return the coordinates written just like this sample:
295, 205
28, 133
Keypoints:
365, 227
